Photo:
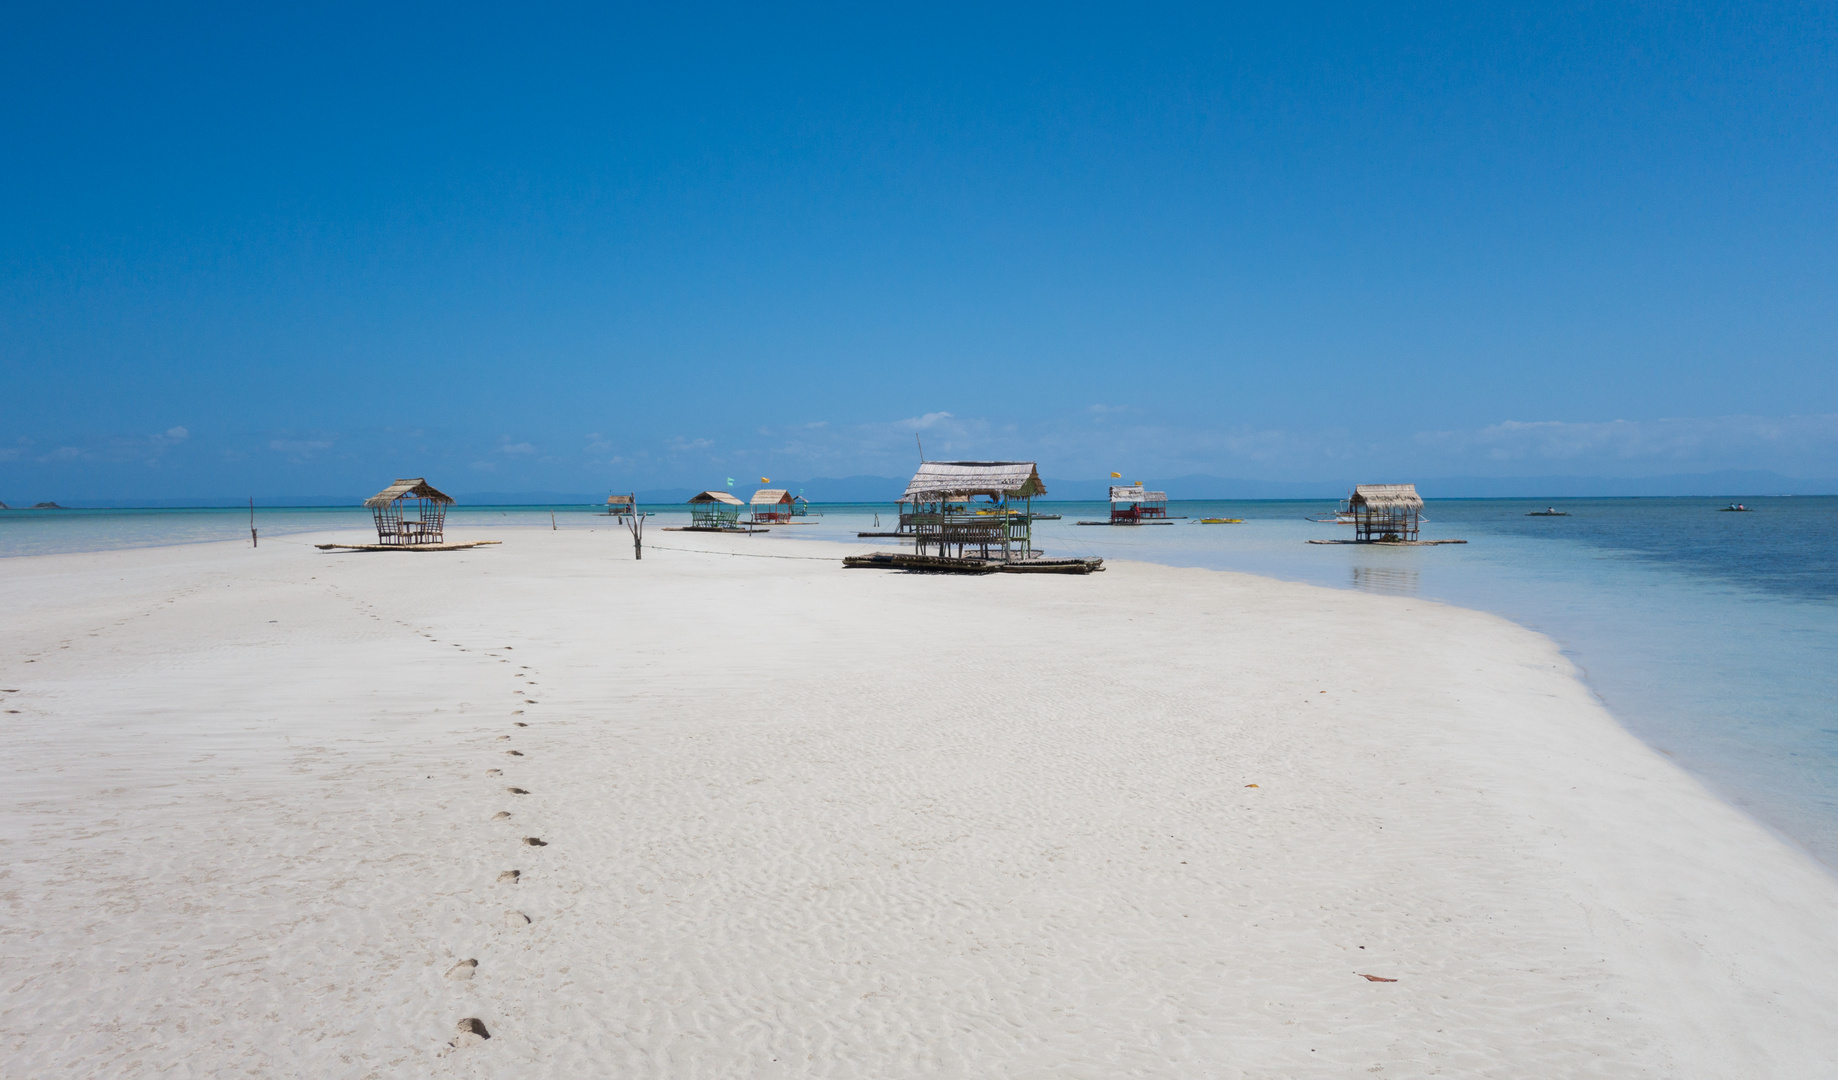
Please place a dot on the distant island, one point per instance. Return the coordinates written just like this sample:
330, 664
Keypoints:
46, 506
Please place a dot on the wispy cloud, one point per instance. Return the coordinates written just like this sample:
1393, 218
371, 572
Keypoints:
1707, 443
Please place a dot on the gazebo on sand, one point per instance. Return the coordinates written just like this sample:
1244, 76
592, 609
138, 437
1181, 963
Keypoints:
392, 507
1386, 511
771, 505
941, 519
621, 505
714, 510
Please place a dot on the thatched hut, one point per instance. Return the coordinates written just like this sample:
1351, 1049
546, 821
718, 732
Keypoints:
770, 505
1131, 504
622, 505
392, 506
714, 510
1386, 511
941, 517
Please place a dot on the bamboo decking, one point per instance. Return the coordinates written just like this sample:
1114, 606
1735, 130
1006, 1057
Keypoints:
459, 546
1391, 543
936, 564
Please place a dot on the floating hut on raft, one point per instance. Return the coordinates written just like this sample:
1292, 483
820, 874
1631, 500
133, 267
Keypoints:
621, 505
1386, 511
772, 505
714, 510
391, 508
942, 522
1131, 505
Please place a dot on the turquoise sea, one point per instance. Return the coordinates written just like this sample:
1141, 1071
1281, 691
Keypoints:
1711, 635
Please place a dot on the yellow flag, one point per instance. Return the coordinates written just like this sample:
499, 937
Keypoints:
765, 479
1116, 476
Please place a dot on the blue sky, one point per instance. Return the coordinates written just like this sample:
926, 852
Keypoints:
309, 250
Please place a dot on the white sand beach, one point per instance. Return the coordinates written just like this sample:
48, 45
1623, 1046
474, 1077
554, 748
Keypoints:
801, 821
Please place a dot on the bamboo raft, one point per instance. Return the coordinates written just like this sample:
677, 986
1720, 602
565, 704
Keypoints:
1391, 543
936, 564
461, 546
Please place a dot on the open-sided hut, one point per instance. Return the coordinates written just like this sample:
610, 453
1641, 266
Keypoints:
1132, 504
800, 507
770, 505
937, 508
714, 510
409, 512
621, 505
1386, 511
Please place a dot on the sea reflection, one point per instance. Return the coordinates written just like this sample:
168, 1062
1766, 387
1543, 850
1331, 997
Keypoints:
1397, 580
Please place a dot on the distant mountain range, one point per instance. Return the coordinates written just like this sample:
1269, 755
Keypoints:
885, 489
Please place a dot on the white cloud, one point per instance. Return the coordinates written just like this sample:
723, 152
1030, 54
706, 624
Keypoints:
177, 434
516, 448
1694, 443
929, 420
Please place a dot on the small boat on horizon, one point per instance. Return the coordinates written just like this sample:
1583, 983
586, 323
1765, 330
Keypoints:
1734, 508
1549, 511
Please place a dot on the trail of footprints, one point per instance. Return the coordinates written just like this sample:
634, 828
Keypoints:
471, 1031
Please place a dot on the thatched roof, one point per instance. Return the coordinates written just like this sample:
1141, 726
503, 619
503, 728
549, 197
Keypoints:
412, 488
621, 500
1009, 479
771, 496
716, 497
1388, 497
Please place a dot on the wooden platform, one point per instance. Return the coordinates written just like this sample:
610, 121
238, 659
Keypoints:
706, 529
1128, 524
883, 560
462, 546
1391, 543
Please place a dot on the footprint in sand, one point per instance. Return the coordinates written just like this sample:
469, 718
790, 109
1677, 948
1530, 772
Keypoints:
520, 723
516, 919
463, 970
516, 791
510, 876
535, 841
494, 772
471, 1033
514, 753
501, 738
501, 815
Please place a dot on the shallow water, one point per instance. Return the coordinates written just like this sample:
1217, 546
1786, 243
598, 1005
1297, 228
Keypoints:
1713, 636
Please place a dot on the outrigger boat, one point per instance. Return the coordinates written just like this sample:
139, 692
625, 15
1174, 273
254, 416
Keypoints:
1549, 511
1342, 516
1220, 521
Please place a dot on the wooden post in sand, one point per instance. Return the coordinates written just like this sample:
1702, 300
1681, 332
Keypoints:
253, 541
637, 524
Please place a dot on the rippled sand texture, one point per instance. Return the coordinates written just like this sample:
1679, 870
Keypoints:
540, 810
